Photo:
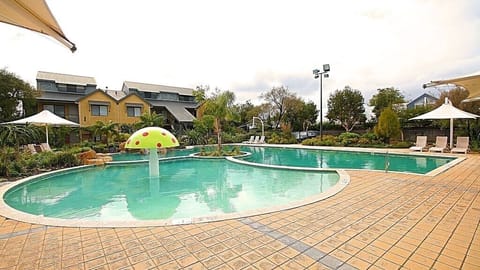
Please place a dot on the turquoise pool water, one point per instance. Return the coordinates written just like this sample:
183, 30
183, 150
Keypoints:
324, 159
186, 188
344, 159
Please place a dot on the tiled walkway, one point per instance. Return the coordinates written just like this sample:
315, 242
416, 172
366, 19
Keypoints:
379, 221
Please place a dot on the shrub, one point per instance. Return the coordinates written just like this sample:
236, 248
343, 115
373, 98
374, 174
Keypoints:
348, 138
328, 140
64, 159
282, 138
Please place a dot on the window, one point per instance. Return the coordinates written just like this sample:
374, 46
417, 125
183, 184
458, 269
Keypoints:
71, 88
186, 98
147, 94
56, 109
99, 110
134, 111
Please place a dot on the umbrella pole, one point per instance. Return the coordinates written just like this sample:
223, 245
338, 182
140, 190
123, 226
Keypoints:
46, 132
451, 133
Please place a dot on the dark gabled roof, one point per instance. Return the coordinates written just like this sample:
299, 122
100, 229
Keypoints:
134, 94
66, 78
157, 88
177, 109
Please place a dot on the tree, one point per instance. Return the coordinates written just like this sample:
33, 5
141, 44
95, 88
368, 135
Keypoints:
386, 97
13, 92
298, 112
220, 106
388, 125
346, 106
105, 129
150, 120
456, 96
277, 97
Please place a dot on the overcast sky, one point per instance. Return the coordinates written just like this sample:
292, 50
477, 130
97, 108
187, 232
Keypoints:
249, 47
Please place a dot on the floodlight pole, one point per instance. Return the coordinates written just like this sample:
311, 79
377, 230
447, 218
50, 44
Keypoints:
319, 74
261, 121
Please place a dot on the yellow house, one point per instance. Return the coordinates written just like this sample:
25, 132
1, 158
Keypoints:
112, 106
131, 107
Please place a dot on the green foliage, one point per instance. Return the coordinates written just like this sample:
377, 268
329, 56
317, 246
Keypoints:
105, 130
348, 138
14, 91
215, 152
21, 163
285, 137
346, 107
220, 106
328, 140
299, 114
16, 135
388, 125
345, 139
405, 115
385, 97
150, 120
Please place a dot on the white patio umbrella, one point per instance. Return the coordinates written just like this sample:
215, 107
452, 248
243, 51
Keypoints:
44, 118
446, 111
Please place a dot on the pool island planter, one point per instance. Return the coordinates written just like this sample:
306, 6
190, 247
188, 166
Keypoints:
197, 155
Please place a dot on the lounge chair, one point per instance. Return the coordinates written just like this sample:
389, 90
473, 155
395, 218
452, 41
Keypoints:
420, 144
252, 138
462, 145
440, 144
45, 147
261, 140
257, 138
31, 148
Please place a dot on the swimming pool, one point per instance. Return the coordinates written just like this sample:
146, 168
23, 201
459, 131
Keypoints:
322, 158
188, 190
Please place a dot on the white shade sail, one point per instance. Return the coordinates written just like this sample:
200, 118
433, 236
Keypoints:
469, 83
33, 15
44, 118
447, 111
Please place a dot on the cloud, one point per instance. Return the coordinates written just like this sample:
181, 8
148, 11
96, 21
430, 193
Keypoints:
251, 46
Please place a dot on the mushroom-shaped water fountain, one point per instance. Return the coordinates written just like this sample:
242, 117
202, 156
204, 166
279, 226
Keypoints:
152, 138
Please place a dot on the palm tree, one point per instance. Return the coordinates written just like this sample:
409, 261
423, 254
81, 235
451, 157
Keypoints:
220, 106
150, 120
108, 129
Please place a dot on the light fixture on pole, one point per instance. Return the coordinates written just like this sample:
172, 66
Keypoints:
319, 74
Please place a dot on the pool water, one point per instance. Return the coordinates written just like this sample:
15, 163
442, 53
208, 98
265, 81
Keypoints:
314, 158
344, 159
185, 188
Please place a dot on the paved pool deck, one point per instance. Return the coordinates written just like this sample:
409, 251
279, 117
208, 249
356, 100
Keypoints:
379, 221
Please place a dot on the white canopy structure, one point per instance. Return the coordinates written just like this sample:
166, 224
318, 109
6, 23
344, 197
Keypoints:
44, 118
446, 111
470, 83
33, 15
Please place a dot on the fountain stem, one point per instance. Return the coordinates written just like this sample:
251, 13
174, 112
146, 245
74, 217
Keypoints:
153, 162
